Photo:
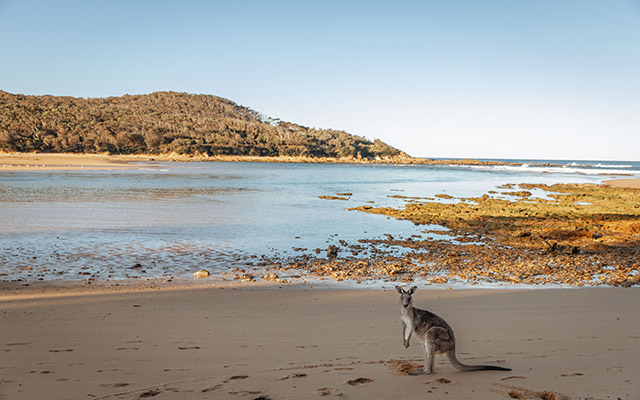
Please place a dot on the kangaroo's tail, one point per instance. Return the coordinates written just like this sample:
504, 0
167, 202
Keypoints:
464, 367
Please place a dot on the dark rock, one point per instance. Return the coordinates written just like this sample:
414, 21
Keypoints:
332, 251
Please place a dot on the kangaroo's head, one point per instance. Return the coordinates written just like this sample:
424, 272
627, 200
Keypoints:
405, 296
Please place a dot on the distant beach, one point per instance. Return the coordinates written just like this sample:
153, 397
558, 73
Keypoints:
12, 161
624, 183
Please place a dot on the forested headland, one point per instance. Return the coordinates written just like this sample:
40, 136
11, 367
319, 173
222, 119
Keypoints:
167, 122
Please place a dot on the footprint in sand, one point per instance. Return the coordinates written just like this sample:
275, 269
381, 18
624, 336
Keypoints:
220, 385
515, 392
115, 385
338, 369
508, 378
439, 380
212, 388
401, 367
293, 376
189, 348
358, 381
327, 391
150, 393
573, 374
60, 350
245, 392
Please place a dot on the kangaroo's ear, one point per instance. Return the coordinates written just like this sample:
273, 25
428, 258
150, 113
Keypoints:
399, 289
413, 289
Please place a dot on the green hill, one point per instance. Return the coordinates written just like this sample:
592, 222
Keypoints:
166, 122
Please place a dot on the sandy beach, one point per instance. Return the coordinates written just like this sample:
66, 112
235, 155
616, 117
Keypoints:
294, 343
14, 161
624, 183
63, 161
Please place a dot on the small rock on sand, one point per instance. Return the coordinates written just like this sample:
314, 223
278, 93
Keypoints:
203, 273
270, 277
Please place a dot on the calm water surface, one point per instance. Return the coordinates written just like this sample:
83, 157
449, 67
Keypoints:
176, 218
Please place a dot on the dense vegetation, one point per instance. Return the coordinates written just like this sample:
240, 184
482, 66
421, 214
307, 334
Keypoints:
165, 122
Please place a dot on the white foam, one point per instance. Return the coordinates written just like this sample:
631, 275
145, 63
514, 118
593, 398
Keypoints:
565, 169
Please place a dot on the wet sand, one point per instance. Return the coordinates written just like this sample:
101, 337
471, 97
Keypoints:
291, 343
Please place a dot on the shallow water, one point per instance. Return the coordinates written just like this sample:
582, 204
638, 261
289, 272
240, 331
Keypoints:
176, 218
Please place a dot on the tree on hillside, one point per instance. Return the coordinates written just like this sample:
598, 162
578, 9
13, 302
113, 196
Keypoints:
164, 122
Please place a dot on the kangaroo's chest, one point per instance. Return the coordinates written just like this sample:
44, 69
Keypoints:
408, 321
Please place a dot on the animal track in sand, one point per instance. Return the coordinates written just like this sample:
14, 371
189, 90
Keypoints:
149, 393
18, 344
293, 376
220, 385
338, 369
520, 393
403, 367
244, 392
212, 388
128, 348
117, 384
60, 350
440, 380
573, 374
507, 378
358, 381
189, 348
328, 391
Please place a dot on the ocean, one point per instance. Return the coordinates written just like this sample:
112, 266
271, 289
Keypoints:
171, 219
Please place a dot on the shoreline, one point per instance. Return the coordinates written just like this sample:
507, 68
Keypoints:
575, 243
221, 343
37, 161
12, 161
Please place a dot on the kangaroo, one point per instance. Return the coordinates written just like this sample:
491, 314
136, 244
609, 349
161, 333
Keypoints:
435, 334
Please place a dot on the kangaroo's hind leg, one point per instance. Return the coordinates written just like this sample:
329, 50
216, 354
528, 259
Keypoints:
429, 358
438, 340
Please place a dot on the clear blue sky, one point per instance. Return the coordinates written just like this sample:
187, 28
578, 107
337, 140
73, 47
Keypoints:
489, 79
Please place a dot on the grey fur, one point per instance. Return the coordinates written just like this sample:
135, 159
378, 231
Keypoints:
435, 334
